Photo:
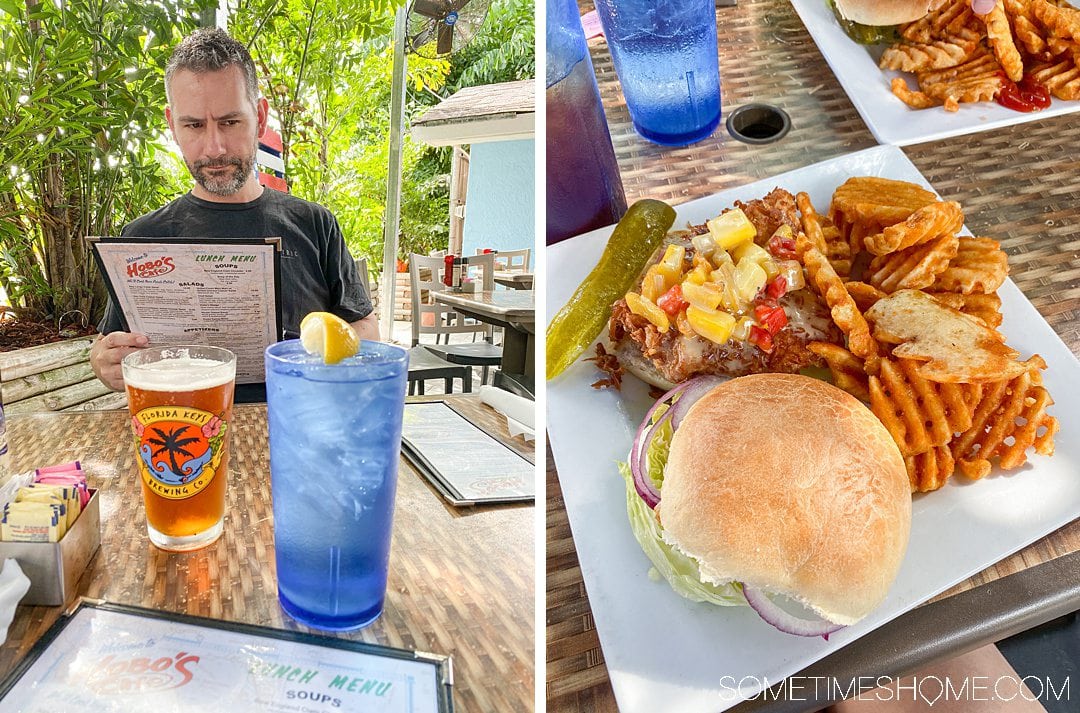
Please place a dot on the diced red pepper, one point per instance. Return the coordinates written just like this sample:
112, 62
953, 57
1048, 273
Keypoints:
773, 319
777, 288
782, 248
672, 301
761, 338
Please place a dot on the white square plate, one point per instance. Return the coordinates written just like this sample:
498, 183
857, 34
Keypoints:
664, 652
888, 118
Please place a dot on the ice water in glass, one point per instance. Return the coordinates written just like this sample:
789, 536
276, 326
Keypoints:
335, 436
665, 54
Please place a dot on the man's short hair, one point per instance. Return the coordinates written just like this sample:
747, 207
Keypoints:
211, 49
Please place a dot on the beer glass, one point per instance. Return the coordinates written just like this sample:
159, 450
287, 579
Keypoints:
180, 400
335, 437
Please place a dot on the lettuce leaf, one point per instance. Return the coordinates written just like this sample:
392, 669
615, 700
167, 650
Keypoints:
680, 571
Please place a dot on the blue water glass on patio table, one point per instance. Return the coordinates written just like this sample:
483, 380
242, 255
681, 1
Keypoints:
665, 55
335, 437
584, 191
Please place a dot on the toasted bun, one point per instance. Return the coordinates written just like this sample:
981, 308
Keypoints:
883, 12
793, 486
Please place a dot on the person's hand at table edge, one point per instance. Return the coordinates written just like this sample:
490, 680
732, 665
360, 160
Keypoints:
367, 327
107, 353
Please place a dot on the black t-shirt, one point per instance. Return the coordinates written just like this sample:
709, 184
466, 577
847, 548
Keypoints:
317, 272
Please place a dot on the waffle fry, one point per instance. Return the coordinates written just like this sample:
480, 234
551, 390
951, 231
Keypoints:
933, 368
953, 19
915, 267
995, 433
1000, 37
837, 249
1061, 77
980, 266
1025, 41
875, 203
865, 295
921, 57
978, 79
1028, 34
1060, 21
926, 223
848, 371
953, 347
914, 99
929, 471
983, 307
986, 308
856, 234
825, 236
811, 221
844, 312
918, 413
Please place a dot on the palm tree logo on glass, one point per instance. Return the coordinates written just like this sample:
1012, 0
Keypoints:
179, 448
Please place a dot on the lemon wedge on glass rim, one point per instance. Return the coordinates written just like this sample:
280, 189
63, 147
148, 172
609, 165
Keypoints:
329, 336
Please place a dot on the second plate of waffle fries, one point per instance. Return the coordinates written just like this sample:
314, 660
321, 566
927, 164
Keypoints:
945, 75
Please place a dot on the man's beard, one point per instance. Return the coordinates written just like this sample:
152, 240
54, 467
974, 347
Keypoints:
225, 184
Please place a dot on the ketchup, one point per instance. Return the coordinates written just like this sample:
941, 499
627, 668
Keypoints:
1026, 95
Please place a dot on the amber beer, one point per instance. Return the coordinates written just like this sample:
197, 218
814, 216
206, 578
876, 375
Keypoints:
180, 399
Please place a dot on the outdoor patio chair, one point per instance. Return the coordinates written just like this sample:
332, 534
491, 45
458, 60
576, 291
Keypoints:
365, 276
511, 260
426, 274
424, 365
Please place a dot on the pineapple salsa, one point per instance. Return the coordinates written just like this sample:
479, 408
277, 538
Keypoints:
728, 288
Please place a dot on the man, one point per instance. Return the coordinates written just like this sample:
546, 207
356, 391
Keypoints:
216, 116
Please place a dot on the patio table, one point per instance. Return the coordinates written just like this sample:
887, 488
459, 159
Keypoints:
461, 581
514, 280
1018, 184
515, 312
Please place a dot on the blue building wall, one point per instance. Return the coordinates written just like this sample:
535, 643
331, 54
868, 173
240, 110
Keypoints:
499, 208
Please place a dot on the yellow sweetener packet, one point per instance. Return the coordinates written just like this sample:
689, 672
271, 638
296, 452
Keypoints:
30, 522
67, 495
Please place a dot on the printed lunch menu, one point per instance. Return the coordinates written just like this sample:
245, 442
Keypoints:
110, 661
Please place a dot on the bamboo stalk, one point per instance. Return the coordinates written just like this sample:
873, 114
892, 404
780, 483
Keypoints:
110, 401
60, 399
24, 387
34, 360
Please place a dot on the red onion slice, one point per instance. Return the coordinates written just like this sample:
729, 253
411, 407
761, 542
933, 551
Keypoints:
682, 397
638, 452
784, 621
695, 389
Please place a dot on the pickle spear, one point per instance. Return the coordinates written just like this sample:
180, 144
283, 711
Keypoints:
634, 240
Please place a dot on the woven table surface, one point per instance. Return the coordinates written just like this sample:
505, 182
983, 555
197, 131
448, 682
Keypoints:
461, 581
1019, 185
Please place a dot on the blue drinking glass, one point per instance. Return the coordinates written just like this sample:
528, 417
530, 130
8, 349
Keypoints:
335, 437
665, 55
584, 191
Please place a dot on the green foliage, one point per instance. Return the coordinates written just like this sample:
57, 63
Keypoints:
501, 52
327, 68
82, 129
81, 100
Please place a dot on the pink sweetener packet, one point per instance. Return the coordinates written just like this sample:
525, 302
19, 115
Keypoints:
78, 480
590, 23
60, 468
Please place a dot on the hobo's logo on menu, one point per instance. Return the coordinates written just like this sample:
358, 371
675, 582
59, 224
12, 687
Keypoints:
151, 268
180, 448
115, 675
